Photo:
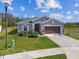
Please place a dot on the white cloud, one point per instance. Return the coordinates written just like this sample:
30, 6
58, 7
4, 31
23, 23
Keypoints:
7, 1
10, 8
22, 8
62, 12
39, 3
44, 11
32, 16
29, 1
69, 12
69, 17
25, 15
48, 4
76, 12
76, 5
53, 4
57, 15
61, 16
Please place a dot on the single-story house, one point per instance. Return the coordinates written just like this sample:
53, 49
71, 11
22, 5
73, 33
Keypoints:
43, 25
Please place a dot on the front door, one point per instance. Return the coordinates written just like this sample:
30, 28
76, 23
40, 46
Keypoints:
37, 28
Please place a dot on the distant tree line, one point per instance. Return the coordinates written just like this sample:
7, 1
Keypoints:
72, 24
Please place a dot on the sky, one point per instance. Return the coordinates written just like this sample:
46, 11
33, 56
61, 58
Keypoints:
63, 10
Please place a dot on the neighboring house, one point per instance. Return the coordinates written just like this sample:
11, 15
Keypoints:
43, 25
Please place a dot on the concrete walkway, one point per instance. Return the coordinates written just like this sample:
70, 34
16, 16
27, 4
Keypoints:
45, 52
22, 55
69, 45
34, 54
72, 52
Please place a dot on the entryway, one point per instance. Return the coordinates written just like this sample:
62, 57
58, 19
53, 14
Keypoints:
37, 28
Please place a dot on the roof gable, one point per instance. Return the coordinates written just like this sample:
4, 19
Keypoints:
45, 19
52, 22
41, 20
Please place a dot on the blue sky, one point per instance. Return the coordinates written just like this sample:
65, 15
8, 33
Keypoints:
64, 10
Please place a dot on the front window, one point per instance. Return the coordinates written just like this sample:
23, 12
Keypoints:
25, 28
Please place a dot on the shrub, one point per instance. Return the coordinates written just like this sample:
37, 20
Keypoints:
33, 34
22, 34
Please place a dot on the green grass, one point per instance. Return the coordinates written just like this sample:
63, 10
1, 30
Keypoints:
74, 32
25, 43
61, 56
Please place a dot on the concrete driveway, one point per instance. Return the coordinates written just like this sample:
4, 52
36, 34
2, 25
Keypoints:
69, 45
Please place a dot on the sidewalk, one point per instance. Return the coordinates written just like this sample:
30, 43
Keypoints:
34, 54
45, 52
72, 52
16, 56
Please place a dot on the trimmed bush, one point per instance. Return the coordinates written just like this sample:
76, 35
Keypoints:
33, 34
22, 33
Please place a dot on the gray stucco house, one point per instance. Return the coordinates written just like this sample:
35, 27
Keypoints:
43, 25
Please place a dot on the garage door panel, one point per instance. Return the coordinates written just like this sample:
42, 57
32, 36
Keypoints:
50, 30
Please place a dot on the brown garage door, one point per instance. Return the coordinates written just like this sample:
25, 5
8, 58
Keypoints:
51, 29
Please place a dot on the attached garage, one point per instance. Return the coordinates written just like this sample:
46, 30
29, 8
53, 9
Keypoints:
52, 29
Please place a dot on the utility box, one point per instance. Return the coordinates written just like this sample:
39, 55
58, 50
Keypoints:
12, 43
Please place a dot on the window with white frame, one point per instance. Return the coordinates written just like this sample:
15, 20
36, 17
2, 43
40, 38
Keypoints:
25, 28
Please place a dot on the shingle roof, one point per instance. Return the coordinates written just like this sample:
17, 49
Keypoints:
37, 20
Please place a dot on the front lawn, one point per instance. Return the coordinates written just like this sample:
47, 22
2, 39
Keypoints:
61, 56
25, 43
